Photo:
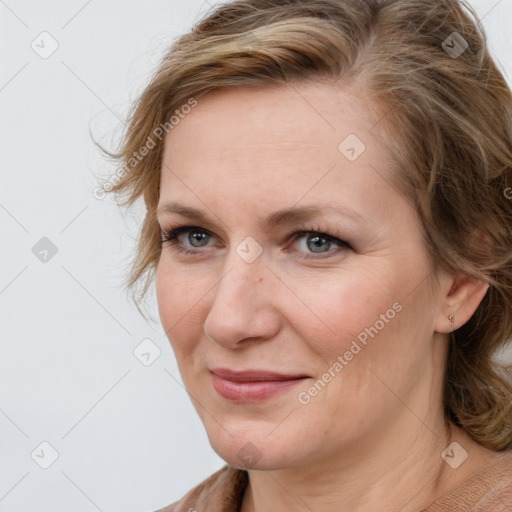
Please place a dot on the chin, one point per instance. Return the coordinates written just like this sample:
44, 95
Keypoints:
254, 449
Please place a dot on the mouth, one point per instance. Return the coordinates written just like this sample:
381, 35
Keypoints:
252, 385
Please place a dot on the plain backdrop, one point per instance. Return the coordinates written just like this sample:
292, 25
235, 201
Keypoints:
86, 424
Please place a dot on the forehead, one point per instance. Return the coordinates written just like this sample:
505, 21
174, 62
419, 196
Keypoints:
310, 112
284, 142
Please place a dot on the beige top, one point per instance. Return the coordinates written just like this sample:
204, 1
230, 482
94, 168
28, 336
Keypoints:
487, 490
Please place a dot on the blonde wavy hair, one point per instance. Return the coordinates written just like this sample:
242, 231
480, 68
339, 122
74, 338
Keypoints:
449, 114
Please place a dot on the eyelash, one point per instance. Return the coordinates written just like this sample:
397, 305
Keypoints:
169, 236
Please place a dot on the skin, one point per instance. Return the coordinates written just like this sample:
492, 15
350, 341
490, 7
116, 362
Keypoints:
372, 438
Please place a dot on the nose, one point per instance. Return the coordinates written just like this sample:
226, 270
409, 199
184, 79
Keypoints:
244, 304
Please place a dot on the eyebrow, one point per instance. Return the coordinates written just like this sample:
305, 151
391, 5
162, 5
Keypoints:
284, 216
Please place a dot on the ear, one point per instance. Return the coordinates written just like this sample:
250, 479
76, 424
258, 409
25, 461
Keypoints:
462, 296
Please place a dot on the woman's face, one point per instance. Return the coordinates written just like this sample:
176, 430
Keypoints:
335, 298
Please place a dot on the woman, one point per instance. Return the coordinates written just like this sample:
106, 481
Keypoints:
330, 232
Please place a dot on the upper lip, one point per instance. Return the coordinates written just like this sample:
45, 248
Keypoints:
253, 375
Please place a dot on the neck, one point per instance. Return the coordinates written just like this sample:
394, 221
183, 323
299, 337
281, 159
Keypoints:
380, 474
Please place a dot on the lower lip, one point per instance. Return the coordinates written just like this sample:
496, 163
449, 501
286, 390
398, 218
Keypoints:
246, 392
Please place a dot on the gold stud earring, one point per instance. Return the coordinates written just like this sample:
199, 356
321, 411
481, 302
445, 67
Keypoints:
451, 317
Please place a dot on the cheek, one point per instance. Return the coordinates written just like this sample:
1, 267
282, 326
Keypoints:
348, 305
375, 320
179, 306
381, 333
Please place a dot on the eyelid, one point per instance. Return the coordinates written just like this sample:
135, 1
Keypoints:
170, 234
322, 234
342, 245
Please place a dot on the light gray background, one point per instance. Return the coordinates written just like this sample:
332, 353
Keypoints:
126, 434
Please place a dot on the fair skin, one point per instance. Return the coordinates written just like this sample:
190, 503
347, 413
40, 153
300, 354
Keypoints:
372, 438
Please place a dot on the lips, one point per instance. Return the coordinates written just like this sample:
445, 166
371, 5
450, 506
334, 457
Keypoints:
252, 385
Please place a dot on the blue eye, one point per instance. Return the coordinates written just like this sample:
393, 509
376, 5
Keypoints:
314, 241
198, 238
172, 235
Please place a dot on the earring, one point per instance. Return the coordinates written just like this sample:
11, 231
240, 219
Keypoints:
451, 317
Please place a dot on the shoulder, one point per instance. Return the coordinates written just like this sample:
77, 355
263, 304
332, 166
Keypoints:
220, 492
488, 490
